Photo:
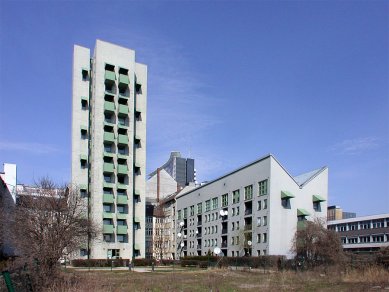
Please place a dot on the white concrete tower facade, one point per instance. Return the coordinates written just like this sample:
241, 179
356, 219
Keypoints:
109, 147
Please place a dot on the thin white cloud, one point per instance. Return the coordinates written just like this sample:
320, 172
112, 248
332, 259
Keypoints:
356, 146
30, 147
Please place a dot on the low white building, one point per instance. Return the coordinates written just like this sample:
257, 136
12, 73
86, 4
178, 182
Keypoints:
363, 234
254, 210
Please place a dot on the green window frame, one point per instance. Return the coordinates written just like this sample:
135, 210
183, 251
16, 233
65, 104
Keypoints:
225, 200
185, 213
179, 214
199, 208
235, 196
215, 203
262, 188
192, 210
248, 192
207, 205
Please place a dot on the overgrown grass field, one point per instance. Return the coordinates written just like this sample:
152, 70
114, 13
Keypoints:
225, 280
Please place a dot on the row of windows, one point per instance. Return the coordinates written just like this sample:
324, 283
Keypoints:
366, 239
213, 203
361, 225
122, 238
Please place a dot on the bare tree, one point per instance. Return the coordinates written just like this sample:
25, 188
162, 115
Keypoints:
160, 240
49, 224
315, 244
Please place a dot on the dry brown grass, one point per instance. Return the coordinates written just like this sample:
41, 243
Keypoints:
223, 280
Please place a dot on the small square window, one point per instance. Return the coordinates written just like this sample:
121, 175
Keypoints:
84, 104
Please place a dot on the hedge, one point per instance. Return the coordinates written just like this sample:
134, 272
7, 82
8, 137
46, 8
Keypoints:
94, 263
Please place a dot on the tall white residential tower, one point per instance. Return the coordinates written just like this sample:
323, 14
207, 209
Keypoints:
109, 147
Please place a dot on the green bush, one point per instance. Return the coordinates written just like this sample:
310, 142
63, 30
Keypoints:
142, 262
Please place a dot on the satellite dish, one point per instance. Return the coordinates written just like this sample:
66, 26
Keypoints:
221, 213
182, 224
217, 250
197, 231
182, 244
179, 234
249, 243
226, 212
184, 235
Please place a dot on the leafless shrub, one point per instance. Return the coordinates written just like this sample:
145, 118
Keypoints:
316, 245
50, 224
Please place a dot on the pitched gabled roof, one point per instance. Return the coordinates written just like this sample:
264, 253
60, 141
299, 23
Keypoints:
304, 178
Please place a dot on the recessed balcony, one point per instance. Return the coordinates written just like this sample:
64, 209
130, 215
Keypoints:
110, 77
123, 81
109, 106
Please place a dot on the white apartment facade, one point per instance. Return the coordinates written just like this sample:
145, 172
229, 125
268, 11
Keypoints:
109, 147
254, 210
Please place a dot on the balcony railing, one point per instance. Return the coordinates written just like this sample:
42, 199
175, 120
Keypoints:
123, 80
122, 139
108, 167
200, 222
248, 211
109, 137
198, 235
108, 198
107, 229
110, 77
224, 230
224, 244
120, 199
109, 106
248, 227
199, 246
123, 109
121, 229
122, 169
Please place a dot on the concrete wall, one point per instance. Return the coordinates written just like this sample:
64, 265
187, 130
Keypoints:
167, 185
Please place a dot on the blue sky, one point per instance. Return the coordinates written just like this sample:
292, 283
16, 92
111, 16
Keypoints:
229, 81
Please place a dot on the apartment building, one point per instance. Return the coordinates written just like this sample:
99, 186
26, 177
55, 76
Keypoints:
362, 234
109, 147
254, 210
336, 213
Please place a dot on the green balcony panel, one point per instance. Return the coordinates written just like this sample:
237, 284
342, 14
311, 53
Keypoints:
109, 137
137, 139
123, 156
121, 229
137, 165
286, 195
83, 157
108, 167
318, 199
120, 199
122, 139
109, 106
137, 246
108, 185
121, 126
85, 98
122, 169
123, 109
123, 80
301, 224
136, 219
108, 229
108, 198
122, 186
84, 128
108, 154
302, 212
121, 216
107, 215
110, 77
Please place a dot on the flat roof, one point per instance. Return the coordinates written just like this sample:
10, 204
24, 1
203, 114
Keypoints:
357, 219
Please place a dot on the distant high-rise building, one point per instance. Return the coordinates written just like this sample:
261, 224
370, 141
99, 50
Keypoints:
109, 146
336, 213
180, 168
